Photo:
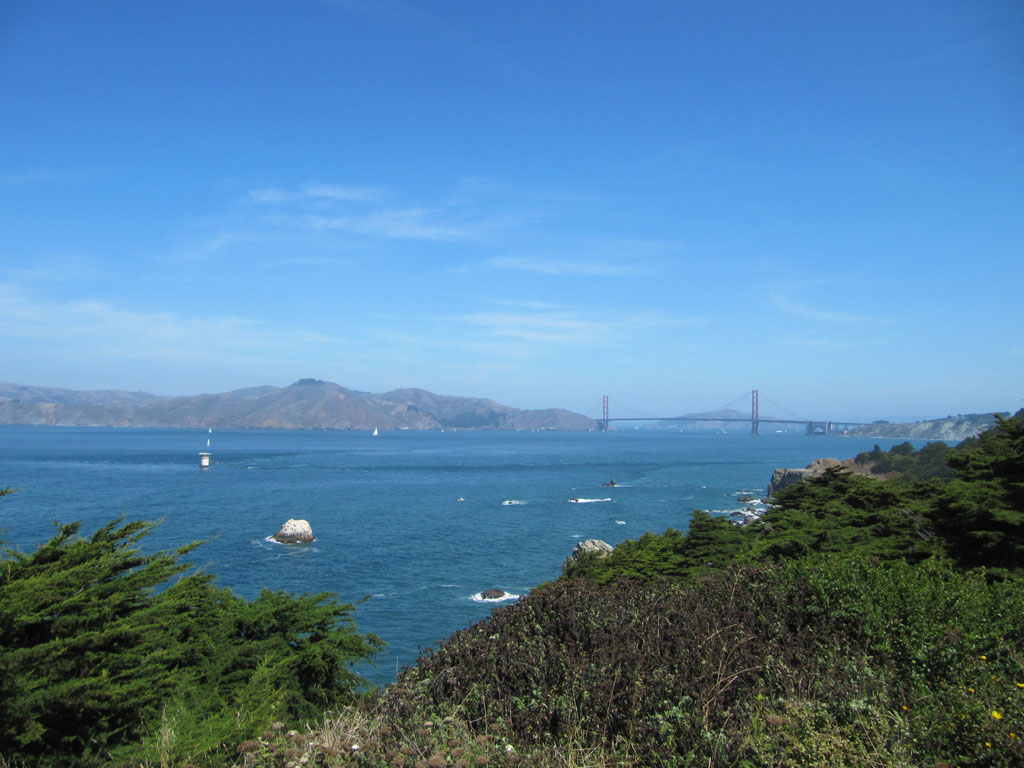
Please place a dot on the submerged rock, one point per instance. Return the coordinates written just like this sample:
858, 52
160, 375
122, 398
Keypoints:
295, 531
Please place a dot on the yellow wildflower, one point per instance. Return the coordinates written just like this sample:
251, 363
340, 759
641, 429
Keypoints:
971, 690
988, 744
984, 657
1020, 685
997, 714
904, 707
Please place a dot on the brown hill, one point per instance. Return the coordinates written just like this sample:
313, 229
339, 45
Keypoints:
306, 404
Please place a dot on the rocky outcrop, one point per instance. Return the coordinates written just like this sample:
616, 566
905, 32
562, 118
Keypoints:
783, 477
295, 532
602, 548
493, 594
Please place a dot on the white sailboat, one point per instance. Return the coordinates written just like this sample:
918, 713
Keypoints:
204, 456
375, 432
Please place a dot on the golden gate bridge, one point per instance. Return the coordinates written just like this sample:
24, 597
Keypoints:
827, 427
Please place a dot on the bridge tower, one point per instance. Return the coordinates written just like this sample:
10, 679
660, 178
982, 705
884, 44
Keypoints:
604, 416
755, 423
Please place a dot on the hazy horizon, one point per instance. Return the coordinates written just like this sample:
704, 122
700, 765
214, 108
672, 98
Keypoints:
540, 204
618, 410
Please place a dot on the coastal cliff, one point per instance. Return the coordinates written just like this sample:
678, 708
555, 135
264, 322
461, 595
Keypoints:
787, 476
951, 429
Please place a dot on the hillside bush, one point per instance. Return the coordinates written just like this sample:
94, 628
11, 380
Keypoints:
831, 660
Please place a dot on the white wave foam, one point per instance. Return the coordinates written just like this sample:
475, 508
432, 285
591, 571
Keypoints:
512, 502
270, 539
479, 598
586, 501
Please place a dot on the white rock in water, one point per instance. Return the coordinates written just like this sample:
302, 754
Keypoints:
295, 531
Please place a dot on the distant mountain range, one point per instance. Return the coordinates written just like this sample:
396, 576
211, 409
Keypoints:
306, 404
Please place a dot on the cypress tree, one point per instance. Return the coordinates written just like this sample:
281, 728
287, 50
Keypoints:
103, 647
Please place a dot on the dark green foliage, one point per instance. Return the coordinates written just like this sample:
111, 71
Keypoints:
710, 542
98, 663
981, 513
910, 465
840, 512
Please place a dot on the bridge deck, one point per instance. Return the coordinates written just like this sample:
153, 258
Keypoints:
746, 419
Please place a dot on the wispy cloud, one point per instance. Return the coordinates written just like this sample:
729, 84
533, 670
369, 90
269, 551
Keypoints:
808, 312
405, 224
558, 267
314, 190
368, 211
108, 329
833, 344
560, 328
568, 326
345, 192
590, 256
269, 195
51, 267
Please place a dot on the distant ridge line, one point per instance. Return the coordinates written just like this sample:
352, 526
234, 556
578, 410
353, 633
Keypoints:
306, 404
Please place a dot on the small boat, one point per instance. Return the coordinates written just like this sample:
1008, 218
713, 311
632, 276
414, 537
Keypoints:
610, 484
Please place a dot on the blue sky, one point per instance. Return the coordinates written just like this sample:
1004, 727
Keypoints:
538, 202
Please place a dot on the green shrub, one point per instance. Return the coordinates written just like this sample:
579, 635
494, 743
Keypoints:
108, 654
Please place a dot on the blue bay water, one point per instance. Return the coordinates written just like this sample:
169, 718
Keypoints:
386, 510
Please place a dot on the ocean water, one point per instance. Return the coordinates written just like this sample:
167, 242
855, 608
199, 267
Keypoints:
419, 522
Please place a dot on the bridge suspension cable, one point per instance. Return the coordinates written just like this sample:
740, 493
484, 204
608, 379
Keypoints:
630, 411
743, 399
788, 412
